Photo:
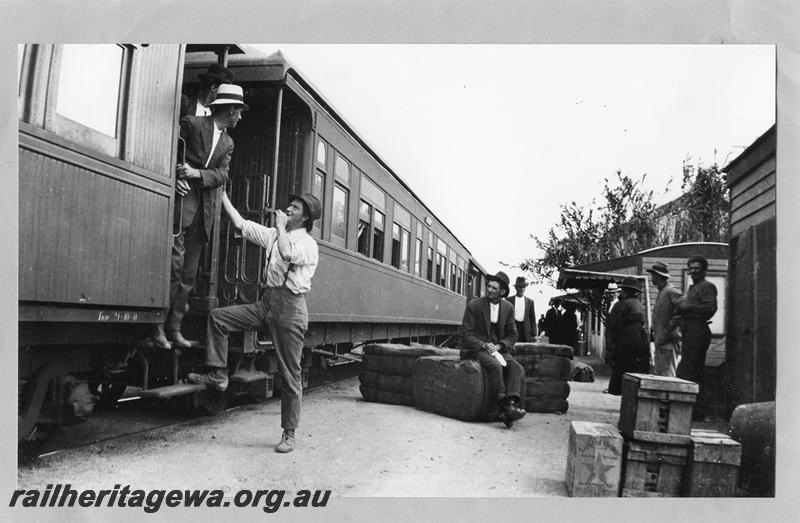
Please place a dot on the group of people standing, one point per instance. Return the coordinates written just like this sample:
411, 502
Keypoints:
680, 327
560, 324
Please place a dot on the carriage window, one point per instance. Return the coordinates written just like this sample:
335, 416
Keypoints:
321, 154
370, 191
441, 263
318, 189
460, 281
431, 242
418, 258
342, 169
377, 235
400, 241
364, 227
88, 86
339, 225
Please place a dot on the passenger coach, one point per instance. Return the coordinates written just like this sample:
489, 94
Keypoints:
98, 127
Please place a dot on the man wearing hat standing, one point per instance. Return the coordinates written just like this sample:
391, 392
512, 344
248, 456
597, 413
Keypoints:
524, 312
665, 333
208, 154
292, 257
200, 103
488, 334
628, 347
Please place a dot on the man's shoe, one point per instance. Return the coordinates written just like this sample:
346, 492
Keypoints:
178, 340
287, 442
511, 414
158, 338
216, 379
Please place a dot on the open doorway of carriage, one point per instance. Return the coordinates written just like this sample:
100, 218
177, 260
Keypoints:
231, 269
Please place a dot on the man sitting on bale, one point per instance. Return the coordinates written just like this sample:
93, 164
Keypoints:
488, 334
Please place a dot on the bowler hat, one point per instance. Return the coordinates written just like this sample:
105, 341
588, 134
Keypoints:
501, 278
520, 282
659, 268
216, 74
313, 207
630, 283
230, 94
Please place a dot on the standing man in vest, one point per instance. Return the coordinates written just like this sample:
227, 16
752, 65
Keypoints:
665, 333
487, 335
291, 262
524, 312
208, 154
696, 309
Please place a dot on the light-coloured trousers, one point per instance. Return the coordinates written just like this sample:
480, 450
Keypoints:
666, 358
285, 316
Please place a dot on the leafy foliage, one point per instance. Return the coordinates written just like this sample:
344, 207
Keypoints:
627, 221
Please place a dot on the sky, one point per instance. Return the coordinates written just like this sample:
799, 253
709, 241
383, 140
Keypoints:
494, 138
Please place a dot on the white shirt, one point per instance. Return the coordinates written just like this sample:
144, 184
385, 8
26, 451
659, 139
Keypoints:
214, 141
200, 110
494, 312
519, 308
303, 255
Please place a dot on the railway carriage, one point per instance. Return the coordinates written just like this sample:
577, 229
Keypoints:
98, 128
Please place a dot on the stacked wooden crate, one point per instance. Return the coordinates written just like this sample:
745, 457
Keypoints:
387, 369
594, 460
547, 368
714, 465
655, 421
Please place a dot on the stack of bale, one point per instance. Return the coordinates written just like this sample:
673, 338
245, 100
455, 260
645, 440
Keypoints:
387, 371
661, 454
547, 371
454, 388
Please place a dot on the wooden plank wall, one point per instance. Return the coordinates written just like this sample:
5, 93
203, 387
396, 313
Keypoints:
83, 236
753, 197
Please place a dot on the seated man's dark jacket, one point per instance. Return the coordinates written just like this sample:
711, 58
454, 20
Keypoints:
476, 328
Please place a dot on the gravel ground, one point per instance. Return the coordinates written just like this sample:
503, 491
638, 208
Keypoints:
351, 447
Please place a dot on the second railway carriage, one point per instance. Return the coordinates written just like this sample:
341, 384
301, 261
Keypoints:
97, 144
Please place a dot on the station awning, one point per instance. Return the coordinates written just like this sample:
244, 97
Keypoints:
579, 279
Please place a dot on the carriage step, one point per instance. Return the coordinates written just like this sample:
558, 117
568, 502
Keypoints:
244, 377
171, 391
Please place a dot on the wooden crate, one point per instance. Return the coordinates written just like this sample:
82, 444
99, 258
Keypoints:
656, 404
653, 469
713, 469
594, 459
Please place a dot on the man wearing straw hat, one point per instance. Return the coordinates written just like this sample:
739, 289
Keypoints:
199, 104
488, 334
208, 154
665, 333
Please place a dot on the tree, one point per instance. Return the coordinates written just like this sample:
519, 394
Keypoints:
623, 224
628, 221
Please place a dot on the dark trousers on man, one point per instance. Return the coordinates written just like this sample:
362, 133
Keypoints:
507, 381
186, 250
285, 316
521, 331
696, 338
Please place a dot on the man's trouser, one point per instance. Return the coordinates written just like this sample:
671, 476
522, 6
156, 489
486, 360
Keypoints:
285, 316
186, 250
507, 381
666, 358
696, 337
